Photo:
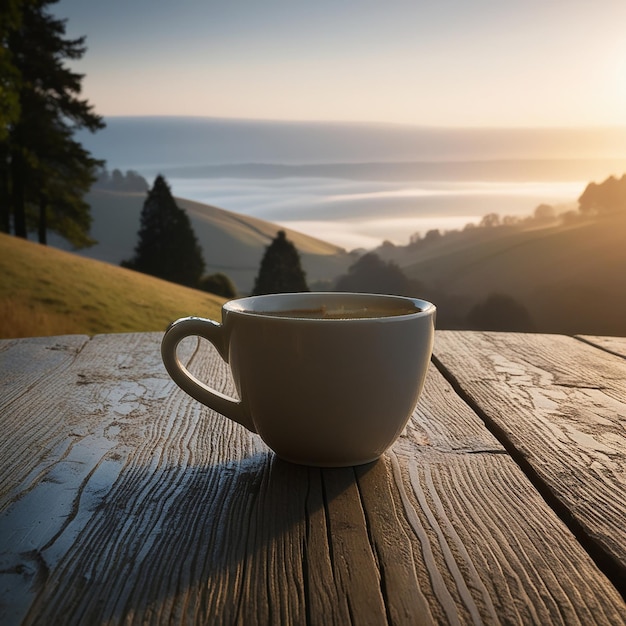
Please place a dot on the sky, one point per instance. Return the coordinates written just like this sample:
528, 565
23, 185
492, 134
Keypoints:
455, 63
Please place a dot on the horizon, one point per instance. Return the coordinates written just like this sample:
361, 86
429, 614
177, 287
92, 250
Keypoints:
348, 122
183, 141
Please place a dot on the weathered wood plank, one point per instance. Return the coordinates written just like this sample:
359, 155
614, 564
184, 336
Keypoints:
560, 405
162, 511
27, 364
24, 361
486, 546
616, 345
67, 436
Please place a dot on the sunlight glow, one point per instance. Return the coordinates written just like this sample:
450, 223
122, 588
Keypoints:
370, 233
509, 64
474, 188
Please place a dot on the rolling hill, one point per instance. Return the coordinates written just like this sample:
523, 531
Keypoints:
45, 291
231, 243
571, 279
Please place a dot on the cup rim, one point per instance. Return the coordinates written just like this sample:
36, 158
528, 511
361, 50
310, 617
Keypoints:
237, 306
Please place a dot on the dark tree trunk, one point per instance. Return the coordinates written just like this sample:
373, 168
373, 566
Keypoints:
5, 200
43, 219
19, 205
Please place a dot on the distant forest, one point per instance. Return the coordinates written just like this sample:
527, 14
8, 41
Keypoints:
117, 181
597, 200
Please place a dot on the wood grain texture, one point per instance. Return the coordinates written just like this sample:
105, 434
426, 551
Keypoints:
130, 503
490, 548
560, 406
28, 364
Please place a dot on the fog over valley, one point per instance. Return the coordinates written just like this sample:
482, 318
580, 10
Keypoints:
356, 184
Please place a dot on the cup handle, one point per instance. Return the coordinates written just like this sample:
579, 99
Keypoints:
213, 332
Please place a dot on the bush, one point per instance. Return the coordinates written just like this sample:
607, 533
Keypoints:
500, 312
370, 274
218, 284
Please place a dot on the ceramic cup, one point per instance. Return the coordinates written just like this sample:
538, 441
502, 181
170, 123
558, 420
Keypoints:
326, 379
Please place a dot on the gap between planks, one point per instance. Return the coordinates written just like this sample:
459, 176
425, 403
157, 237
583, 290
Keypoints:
605, 561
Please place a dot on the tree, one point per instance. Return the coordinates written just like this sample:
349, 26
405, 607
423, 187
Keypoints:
500, 312
218, 284
603, 199
132, 181
280, 270
10, 19
544, 213
167, 246
46, 171
63, 178
490, 220
370, 274
434, 234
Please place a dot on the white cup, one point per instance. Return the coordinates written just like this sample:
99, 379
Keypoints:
326, 379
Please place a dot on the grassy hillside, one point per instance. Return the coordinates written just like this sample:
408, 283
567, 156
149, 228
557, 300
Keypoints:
231, 243
571, 279
44, 291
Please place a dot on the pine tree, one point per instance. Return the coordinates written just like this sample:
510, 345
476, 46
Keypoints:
280, 269
45, 171
167, 246
10, 20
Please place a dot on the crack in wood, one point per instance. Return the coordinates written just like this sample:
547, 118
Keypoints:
306, 574
329, 537
581, 386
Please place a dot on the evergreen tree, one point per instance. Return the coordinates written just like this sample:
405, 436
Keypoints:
167, 246
280, 269
45, 171
10, 19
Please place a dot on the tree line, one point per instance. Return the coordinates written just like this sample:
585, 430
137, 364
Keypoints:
131, 181
598, 200
44, 171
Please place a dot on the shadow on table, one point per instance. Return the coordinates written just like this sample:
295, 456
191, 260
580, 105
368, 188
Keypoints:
197, 541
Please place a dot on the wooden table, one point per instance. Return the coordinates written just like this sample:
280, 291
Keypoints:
123, 501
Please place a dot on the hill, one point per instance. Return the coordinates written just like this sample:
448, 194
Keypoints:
45, 291
571, 279
231, 243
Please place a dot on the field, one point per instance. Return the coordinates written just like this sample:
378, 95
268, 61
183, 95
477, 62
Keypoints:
45, 291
